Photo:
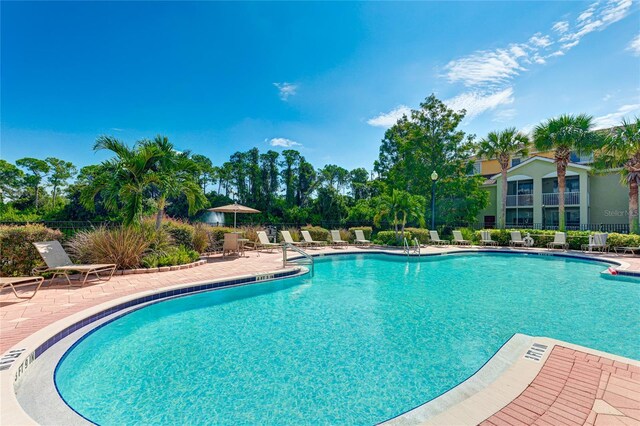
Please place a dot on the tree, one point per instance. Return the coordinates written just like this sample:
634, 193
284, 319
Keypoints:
38, 169
151, 169
502, 145
399, 207
61, 172
430, 141
335, 177
358, 179
291, 157
565, 134
11, 179
622, 149
205, 171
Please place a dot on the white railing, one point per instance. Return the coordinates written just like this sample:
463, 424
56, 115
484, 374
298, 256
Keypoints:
523, 200
552, 199
408, 249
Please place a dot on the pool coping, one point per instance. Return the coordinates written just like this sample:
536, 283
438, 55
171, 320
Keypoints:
26, 351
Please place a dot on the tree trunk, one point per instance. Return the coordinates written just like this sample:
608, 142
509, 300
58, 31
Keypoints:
161, 203
633, 206
55, 192
395, 225
36, 197
562, 171
404, 221
503, 207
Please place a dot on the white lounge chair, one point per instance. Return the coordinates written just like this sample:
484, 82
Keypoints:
360, 239
14, 282
458, 239
559, 240
516, 239
286, 236
58, 262
435, 238
625, 250
485, 239
599, 243
310, 241
337, 240
264, 243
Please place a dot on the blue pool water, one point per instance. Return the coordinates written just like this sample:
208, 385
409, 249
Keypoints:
367, 338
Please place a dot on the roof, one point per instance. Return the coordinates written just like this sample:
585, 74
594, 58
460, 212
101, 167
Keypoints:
538, 158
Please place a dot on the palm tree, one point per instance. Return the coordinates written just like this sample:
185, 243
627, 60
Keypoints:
622, 148
565, 134
150, 169
400, 204
502, 145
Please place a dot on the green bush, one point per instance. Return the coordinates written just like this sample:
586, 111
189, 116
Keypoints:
575, 238
181, 232
295, 234
174, 256
201, 237
388, 238
366, 230
17, 255
420, 233
345, 235
317, 233
216, 233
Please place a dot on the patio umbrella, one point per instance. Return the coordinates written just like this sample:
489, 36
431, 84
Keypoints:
234, 208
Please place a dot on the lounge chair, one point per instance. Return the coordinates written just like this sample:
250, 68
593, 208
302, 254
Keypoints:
310, 241
58, 262
458, 239
14, 282
516, 239
435, 238
264, 243
559, 240
231, 244
286, 236
336, 239
360, 239
626, 250
599, 243
485, 239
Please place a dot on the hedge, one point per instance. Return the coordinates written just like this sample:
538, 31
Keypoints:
18, 256
388, 238
575, 238
420, 233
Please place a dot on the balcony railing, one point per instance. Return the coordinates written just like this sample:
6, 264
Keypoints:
552, 199
524, 200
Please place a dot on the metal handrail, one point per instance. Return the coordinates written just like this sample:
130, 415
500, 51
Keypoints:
411, 249
298, 250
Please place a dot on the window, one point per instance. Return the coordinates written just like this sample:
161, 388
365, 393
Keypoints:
477, 168
581, 158
515, 161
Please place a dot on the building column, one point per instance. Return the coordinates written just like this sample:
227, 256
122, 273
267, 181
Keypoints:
537, 200
584, 198
498, 202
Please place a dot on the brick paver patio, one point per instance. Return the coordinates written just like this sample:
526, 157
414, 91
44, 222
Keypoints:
576, 388
572, 388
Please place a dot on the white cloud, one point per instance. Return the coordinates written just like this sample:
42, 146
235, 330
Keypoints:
286, 89
476, 103
504, 115
484, 68
283, 142
540, 40
561, 27
390, 118
614, 118
634, 45
606, 97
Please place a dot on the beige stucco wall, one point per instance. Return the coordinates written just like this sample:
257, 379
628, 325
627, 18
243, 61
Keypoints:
609, 199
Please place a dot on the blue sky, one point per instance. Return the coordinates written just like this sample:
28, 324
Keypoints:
324, 78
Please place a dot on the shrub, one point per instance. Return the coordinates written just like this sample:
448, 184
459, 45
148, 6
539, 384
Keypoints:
201, 237
181, 232
17, 255
345, 235
295, 233
125, 246
174, 256
366, 230
420, 233
388, 238
251, 232
159, 239
317, 233
216, 233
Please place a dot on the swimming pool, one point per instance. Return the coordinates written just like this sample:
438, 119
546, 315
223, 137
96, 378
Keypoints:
365, 339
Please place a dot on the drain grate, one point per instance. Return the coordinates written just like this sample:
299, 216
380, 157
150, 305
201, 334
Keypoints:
535, 352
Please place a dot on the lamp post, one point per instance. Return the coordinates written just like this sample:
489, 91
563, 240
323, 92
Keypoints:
434, 178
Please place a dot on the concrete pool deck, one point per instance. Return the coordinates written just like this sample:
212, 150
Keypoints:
56, 302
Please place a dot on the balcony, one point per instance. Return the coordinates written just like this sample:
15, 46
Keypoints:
524, 200
570, 199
